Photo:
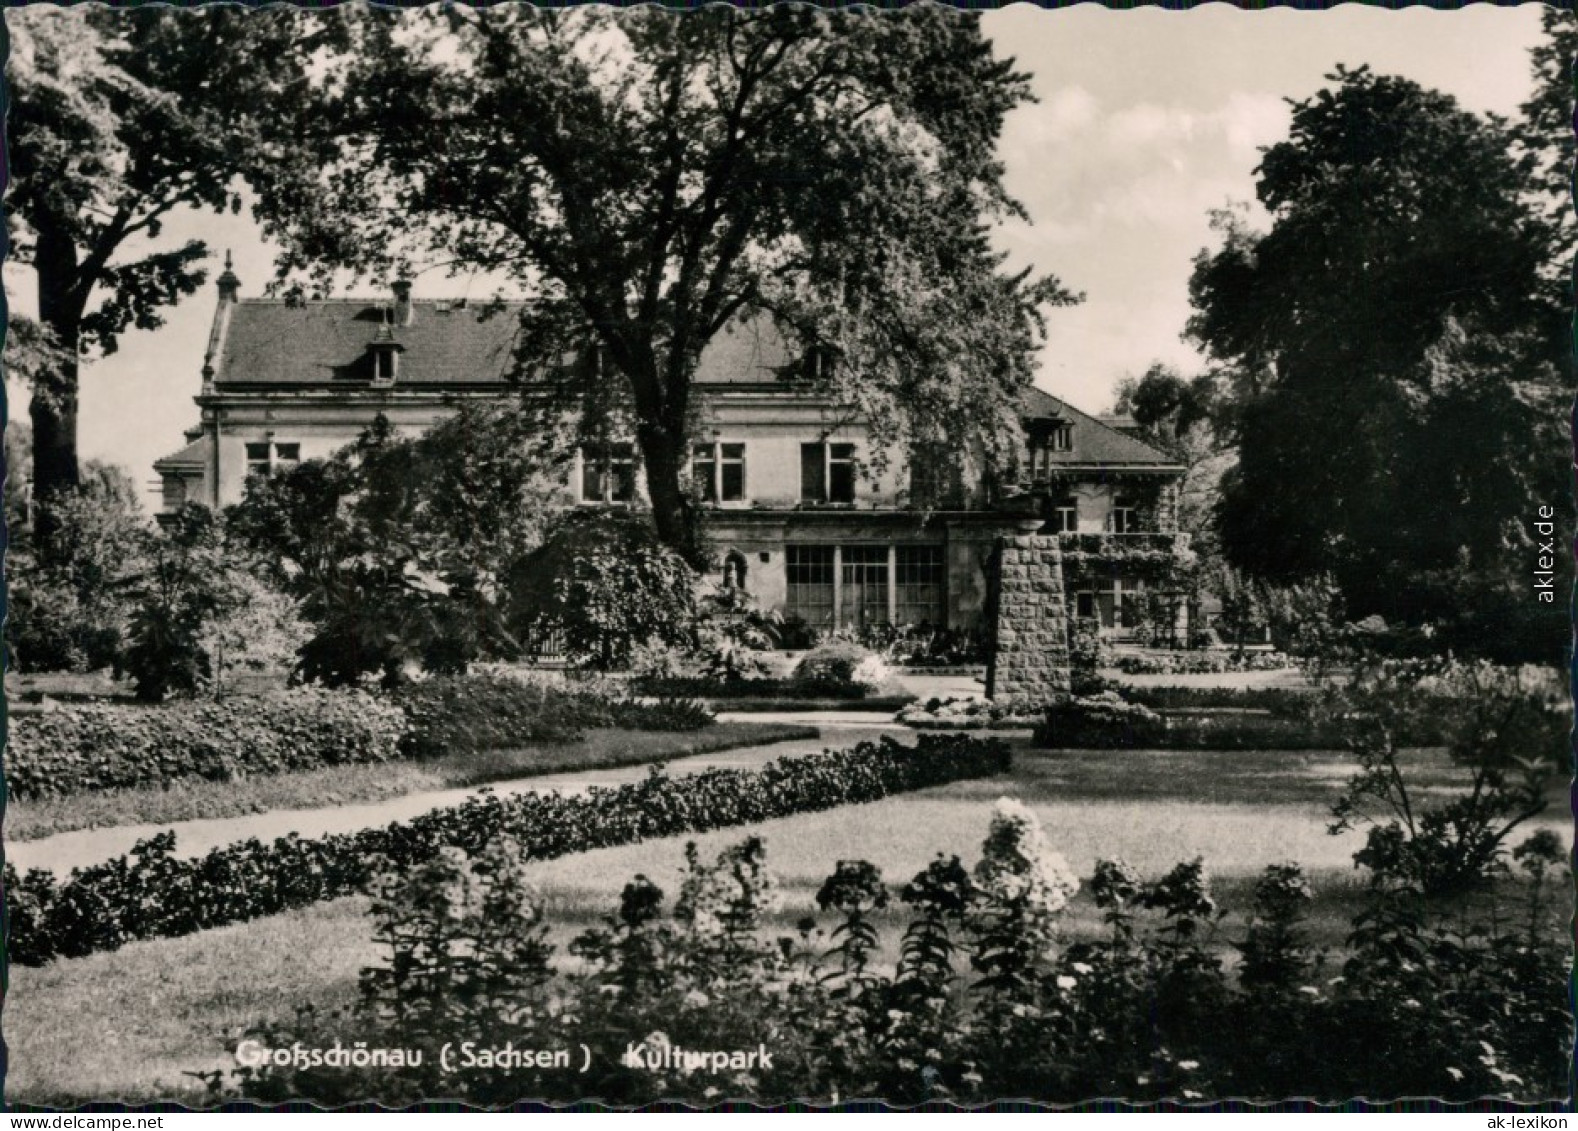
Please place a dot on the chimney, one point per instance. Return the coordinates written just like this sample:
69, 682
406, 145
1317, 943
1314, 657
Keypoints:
229, 285
404, 315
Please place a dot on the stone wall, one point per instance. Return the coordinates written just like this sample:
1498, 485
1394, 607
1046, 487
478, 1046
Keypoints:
1029, 662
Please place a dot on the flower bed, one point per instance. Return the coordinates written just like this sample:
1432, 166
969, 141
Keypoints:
150, 892
958, 713
104, 746
1201, 663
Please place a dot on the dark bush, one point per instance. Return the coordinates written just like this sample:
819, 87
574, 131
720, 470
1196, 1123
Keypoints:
455, 714
1107, 721
151, 893
99, 746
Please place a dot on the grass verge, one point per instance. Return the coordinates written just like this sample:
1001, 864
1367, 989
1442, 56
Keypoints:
191, 799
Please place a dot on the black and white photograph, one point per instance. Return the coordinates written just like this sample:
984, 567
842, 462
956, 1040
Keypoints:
788, 555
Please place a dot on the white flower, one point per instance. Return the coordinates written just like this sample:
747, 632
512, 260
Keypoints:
1064, 982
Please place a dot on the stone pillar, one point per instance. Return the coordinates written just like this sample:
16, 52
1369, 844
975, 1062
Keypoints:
1029, 662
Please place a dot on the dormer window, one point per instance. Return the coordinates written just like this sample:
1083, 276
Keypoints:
1043, 445
385, 364
821, 362
385, 353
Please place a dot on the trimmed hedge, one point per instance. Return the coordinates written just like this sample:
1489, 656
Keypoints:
98, 746
150, 893
78, 748
455, 714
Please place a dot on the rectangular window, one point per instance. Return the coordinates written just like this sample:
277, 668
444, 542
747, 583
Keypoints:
718, 470
1066, 516
258, 459
704, 471
841, 473
809, 573
1062, 438
608, 473
827, 473
813, 473
264, 458
731, 472
918, 583
1085, 605
1124, 519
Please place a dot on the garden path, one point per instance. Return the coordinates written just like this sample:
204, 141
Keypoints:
64, 851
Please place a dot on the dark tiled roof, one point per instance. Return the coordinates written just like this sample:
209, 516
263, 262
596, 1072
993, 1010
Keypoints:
317, 344
1093, 441
325, 342
321, 343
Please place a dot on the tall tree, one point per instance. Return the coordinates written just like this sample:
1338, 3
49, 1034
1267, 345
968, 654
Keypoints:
652, 176
1394, 349
117, 119
1545, 130
1176, 415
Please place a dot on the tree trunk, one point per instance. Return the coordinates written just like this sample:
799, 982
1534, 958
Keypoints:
673, 514
54, 403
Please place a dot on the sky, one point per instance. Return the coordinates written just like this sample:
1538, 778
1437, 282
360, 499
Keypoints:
1146, 121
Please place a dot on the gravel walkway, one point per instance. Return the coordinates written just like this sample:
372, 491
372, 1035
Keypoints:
64, 851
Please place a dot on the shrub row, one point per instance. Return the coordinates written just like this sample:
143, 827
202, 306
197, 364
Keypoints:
151, 893
1201, 663
699, 687
456, 714
99, 746
81, 747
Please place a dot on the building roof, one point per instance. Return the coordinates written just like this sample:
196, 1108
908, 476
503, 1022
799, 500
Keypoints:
194, 454
452, 344
1093, 442
449, 344
319, 343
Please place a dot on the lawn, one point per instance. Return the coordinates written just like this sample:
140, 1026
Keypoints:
130, 1023
195, 799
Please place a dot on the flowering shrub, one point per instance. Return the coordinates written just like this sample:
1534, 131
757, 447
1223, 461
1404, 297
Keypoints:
958, 713
1145, 1009
1199, 663
151, 892
840, 661
103, 746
